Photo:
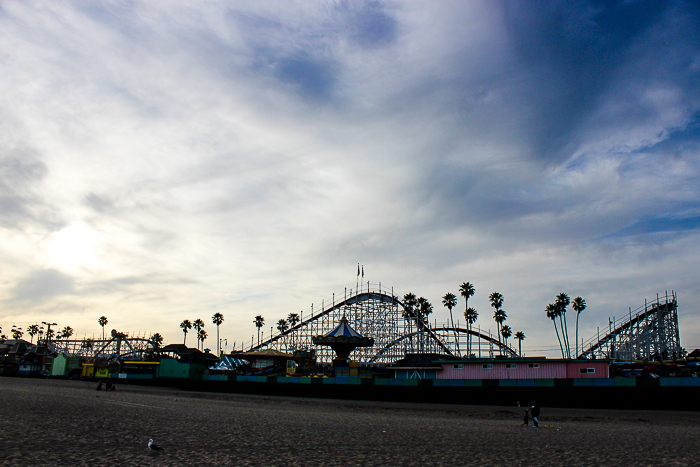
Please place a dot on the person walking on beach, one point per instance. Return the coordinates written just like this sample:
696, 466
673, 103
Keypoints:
526, 420
535, 411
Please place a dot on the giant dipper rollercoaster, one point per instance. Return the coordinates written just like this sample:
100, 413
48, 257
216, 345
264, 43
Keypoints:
648, 332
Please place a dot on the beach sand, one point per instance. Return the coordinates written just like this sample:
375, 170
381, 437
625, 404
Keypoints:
60, 422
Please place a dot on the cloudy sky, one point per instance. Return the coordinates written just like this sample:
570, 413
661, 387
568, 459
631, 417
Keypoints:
165, 160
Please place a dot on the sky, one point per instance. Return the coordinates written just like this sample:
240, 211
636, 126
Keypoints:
162, 160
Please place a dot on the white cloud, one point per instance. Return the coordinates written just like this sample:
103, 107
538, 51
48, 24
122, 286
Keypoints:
168, 162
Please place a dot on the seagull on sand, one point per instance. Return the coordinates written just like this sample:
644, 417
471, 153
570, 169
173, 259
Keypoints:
153, 446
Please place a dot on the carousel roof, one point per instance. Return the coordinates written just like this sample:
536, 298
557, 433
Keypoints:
343, 329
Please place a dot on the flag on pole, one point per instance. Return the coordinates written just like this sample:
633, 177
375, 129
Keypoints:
358, 269
363, 271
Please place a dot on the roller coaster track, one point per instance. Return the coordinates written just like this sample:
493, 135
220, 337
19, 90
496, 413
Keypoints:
373, 313
648, 332
485, 337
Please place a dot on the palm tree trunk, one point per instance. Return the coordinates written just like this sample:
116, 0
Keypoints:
577, 334
218, 346
557, 331
566, 338
454, 331
561, 325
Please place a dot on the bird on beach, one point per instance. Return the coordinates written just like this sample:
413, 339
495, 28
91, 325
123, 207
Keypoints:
153, 446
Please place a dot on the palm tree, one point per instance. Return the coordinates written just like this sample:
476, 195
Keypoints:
578, 304
499, 315
156, 340
506, 332
17, 333
562, 302
198, 325
470, 314
282, 325
217, 319
293, 319
409, 311
552, 313
424, 308
450, 301
102, 321
186, 326
259, 323
201, 335
467, 290
67, 332
520, 336
32, 330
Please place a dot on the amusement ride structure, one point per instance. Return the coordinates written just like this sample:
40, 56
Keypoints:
646, 333
395, 328
391, 330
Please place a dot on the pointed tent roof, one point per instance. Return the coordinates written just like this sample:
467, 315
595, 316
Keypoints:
343, 329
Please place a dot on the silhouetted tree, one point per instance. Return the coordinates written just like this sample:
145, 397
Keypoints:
186, 325
32, 330
217, 319
561, 303
450, 301
578, 304
467, 290
520, 336
102, 321
259, 323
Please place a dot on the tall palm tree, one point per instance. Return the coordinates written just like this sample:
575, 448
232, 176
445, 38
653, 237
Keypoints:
198, 325
520, 336
156, 340
496, 300
292, 319
562, 302
467, 290
552, 313
102, 321
578, 304
450, 301
17, 333
424, 308
282, 325
409, 309
506, 332
186, 325
32, 330
259, 323
67, 332
500, 316
217, 319
470, 314
201, 335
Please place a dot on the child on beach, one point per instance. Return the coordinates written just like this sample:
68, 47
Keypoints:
526, 420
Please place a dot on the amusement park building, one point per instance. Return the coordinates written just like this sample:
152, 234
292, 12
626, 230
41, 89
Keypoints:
522, 368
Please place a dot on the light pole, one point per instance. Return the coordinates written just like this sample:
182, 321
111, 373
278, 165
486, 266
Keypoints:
225, 344
48, 329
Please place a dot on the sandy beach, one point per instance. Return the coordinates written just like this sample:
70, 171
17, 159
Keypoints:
60, 422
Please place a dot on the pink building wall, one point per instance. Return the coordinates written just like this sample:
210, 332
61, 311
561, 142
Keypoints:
573, 369
522, 370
